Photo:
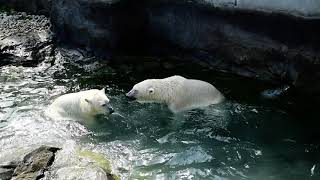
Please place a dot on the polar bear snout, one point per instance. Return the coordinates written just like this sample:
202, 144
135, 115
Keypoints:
132, 94
109, 108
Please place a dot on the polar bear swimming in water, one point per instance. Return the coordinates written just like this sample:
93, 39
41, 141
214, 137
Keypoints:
80, 105
177, 92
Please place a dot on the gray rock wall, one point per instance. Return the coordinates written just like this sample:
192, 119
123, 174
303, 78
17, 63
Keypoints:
25, 39
303, 8
268, 46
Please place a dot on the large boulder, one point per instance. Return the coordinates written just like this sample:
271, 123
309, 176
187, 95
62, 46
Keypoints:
75, 162
33, 165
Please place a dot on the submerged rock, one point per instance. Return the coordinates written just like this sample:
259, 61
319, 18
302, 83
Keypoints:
275, 93
24, 39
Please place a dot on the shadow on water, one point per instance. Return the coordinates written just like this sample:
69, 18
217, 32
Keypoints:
248, 136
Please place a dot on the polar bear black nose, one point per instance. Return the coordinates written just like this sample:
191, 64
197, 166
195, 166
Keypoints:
111, 110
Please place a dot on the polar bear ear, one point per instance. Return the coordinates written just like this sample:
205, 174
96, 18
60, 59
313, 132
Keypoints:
150, 90
103, 90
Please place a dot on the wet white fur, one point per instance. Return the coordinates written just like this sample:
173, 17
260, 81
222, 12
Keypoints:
79, 105
179, 93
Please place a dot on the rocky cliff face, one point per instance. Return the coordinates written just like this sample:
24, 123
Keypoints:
263, 46
25, 39
101, 25
306, 8
279, 45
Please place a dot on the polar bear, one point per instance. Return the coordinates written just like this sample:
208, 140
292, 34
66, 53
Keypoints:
177, 92
80, 105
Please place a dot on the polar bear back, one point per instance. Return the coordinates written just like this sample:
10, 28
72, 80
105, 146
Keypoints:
67, 105
194, 94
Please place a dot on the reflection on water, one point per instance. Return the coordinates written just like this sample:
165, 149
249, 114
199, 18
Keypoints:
245, 137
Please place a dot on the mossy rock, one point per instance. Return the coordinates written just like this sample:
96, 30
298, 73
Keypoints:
99, 160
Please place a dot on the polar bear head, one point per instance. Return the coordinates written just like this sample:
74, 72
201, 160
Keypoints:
150, 90
96, 102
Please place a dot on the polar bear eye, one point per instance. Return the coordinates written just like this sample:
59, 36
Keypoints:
150, 90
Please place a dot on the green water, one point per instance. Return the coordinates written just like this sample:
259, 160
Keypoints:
246, 137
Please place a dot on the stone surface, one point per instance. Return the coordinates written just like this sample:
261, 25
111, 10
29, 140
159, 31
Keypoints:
31, 167
267, 47
6, 173
97, 24
73, 162
30, 6
24, 39
272, 47
306, 8
35, 163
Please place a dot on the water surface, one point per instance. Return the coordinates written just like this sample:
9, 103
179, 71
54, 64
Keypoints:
247, 137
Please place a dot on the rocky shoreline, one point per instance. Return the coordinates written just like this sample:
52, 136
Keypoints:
38, 164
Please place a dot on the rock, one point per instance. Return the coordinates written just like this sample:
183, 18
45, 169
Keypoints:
7, 170
100, 161
74, 162
35, 163
275, 93
30, 6
24, 39
6, 174
307, 8
102, 25
244, 43
32, 166
225, 34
